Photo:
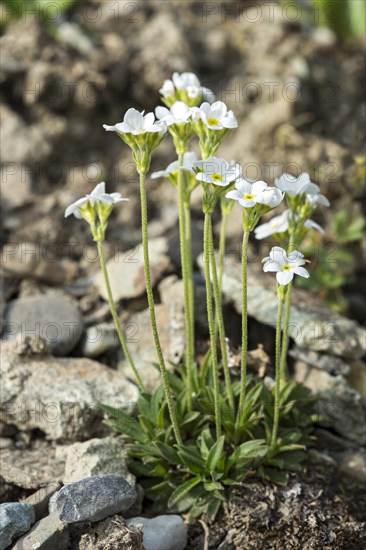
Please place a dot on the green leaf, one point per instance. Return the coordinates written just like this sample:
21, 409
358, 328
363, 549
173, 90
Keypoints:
215, 454
183, 490
192, 460
213, 508
125, 424
168, 453
213, 486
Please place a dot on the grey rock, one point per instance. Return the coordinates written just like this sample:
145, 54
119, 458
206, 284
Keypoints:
170, 321
40, 499
174, 243
329, 363
98, 339
15, 520
94, 498
167, 532
126, 270
353, 464
59, 396
37, 468
16, 185
342, 406
50, 533
96, 457
55, 319
71, 34
313, 325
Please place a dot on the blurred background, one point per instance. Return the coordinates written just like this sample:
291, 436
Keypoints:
293, 72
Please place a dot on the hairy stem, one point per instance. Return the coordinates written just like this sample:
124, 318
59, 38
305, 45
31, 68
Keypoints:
222, 247
189, 356
187, 215
208, 252
244, 326
285, 336
220, 323
117, 323
278, 378
150, 298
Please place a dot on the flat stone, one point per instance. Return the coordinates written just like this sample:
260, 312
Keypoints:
98, 339
329, 363
342, 406
40, 499
15, 520
126, 270
97, 457
313, 325
60, 396
53, 318
166, 532
94, 498
32, 469
50, 533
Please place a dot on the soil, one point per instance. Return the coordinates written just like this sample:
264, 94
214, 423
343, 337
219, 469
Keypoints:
316, 510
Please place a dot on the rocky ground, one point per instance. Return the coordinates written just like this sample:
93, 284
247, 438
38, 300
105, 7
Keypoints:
298, 95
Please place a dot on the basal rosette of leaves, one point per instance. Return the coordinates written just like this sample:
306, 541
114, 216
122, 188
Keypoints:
205, 429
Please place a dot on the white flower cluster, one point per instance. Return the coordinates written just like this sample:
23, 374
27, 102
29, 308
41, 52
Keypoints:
98, 195
189, 84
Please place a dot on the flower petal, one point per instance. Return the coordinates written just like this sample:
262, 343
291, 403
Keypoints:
301, 271
284, 277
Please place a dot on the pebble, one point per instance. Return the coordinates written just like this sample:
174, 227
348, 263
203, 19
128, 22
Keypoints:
51, 317
98, 339
50, 533
15, 520
94, 498
167, 532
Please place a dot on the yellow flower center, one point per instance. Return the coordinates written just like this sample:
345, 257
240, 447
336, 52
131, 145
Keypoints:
286, 267
213, 121
249, 196
217, 177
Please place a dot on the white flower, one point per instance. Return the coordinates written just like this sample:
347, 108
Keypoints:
179, 113
317, 198
285, 266
189, 83
98, 195
216, 171
249, 194
137, 123
188, 160
296, 185
215, 116
280, 224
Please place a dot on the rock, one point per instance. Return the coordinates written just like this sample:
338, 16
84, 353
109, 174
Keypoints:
50, 533
38, 262
32, 468
94, 498
313, 325
357, 377
59, 396
97, 457
40, 499
53, 318
174, 243
332, 365
98, 339
72, 35
166, 532
15, 520
126, 270
353, 464
170, 321
108, 534
341, 405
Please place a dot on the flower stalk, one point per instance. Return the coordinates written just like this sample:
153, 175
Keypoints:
276, 415
117, 324
150, 298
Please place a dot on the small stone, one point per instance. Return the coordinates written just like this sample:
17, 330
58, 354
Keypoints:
15, 520
166, 532
50, 533
98, 339
94, 498
16, 185
126, 270
353, 463
97, 457
53, 318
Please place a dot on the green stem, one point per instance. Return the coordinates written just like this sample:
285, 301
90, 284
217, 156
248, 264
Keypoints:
150, 298
244, 326
208, 252
278, 378
285, 336
220, 324
187, 215
189, 356
117, 324
222, 247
